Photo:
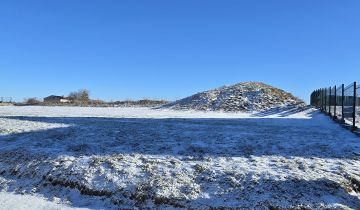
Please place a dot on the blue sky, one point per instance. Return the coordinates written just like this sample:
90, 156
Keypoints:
132, 49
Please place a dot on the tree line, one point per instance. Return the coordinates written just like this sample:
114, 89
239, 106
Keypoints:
82, 98
76, 97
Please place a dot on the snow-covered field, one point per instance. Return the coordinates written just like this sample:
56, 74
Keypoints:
126, 158
11, 201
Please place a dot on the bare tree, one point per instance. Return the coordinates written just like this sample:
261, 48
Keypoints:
81, 96
32, 101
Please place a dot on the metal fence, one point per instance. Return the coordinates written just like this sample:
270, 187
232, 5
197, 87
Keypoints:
357, 107
341, 102
5, 99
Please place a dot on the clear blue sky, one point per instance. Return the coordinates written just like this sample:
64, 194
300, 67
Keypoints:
173, 48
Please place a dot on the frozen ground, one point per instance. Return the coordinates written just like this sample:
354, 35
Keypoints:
124, 112
130, 158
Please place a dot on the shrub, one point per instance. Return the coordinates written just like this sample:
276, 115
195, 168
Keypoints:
32, 101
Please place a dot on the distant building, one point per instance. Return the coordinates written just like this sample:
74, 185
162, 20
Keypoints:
56, 99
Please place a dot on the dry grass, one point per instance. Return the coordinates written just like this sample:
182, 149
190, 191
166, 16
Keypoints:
6, 104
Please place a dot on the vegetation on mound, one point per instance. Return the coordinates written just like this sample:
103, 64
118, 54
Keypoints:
247, 96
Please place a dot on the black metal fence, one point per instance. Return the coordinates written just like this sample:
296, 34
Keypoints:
5, 99
341, 102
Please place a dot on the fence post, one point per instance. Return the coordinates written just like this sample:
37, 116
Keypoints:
319, 98
342, 102
321, 101
330, 101
323, 94
354, 108
335, 90
324, 99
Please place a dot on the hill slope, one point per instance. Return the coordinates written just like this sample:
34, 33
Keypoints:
246, 96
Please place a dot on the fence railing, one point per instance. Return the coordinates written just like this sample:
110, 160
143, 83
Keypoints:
5, 99
341, 102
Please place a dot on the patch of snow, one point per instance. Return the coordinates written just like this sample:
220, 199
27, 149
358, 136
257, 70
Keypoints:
11, 126
128, 158
10, 201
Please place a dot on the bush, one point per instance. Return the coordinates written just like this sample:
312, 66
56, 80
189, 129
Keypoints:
32, 101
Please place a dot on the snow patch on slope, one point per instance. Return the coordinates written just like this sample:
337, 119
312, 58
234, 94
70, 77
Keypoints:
10, 201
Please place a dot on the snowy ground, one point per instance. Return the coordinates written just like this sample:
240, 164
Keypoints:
130, 158
10, 201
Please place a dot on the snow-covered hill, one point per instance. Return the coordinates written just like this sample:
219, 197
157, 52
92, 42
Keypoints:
243, 97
